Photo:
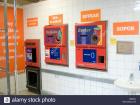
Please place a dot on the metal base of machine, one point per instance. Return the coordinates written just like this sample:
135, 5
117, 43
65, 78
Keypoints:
33, 79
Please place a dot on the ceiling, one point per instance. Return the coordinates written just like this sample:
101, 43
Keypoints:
22, 2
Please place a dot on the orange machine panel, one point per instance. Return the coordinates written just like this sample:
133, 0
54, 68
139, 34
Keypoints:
91, 45
32, 52
55, 41
56, 55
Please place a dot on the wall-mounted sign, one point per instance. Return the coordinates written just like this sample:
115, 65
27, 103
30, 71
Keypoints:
91, 15
20, 40
32, 22
126, 28
125, 47
56, 19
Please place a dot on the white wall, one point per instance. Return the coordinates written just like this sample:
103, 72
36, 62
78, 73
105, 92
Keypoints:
118, 65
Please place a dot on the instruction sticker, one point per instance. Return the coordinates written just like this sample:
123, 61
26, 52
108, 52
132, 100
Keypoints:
72, 43
113, 41
47, 53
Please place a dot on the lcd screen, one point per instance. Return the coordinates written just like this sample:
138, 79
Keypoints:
31, 54
55, 53
53, 36
88, 34
89, 55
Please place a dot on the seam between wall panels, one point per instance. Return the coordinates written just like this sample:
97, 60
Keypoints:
104, 80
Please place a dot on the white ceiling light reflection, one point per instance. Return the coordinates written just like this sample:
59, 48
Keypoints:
137, 6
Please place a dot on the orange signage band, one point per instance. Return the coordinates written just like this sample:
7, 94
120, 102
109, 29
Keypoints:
91, 15
126, 28
56, 19
20, 41
31, 22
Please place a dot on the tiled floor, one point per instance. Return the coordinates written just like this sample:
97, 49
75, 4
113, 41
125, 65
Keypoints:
25, 92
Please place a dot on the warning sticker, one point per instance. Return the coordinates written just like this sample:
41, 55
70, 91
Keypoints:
47, 53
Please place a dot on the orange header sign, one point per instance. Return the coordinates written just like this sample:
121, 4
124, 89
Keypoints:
56, 19
91, 15
20, 40
126, 28
32, 22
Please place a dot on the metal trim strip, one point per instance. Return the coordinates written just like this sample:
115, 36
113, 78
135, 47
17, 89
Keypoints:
104, 80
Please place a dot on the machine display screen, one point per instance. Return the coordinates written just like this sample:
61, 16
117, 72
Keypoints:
31, 54
55, 53
88, 34
89, 55
53, 36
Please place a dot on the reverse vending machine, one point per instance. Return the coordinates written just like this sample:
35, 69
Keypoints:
91, 45
32, 49
55, 41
